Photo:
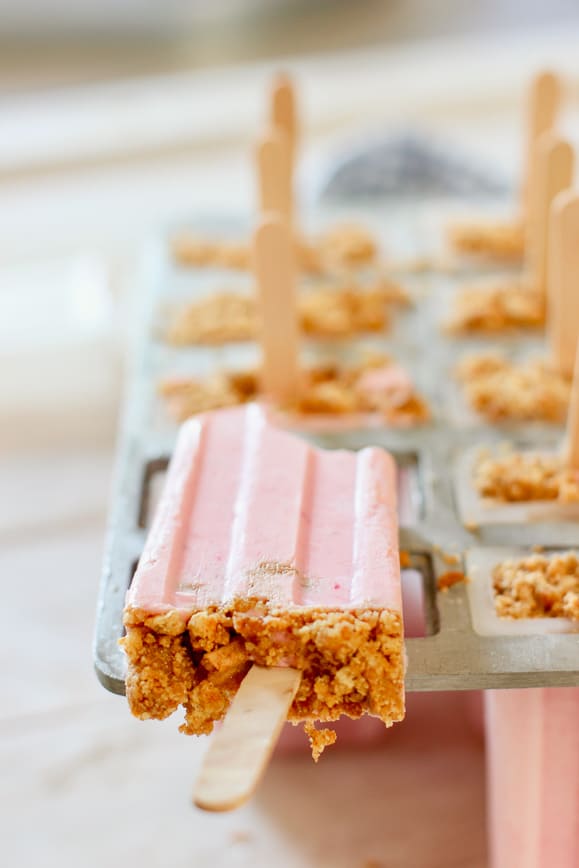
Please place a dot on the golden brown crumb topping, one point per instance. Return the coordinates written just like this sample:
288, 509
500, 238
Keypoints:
496, 309
502, 390
340, 247
538, 586
524, 476
351, 661
319, 739
497, 240
324, 312
326, 389
449, 579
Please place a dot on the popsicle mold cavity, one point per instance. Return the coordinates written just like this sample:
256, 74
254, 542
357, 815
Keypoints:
267, 550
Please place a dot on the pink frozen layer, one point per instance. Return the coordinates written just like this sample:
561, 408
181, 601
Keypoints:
251, 511
533, 777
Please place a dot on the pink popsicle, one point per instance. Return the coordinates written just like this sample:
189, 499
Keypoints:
267, 550
533, 777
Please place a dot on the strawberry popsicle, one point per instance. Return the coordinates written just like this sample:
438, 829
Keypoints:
533, 777
265, 550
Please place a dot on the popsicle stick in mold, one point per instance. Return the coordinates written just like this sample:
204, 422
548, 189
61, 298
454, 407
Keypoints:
563, 289
284, 113
275, 272
554, 161
240, 750
543, 106
274, 172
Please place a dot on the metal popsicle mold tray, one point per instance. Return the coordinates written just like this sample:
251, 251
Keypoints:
456, 652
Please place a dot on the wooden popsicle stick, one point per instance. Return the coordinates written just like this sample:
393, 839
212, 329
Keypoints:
563, 281
572, 431
554, 163
284, 112
274, 174
240, 750
275, 273
543, 105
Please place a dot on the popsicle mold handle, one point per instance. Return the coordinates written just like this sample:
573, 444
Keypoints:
240, 750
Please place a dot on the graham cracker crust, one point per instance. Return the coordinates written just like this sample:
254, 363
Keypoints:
352, 662
496, 309
325, 311
501, 390
341, 247
503, 240
519, 477
539, 586
326, 388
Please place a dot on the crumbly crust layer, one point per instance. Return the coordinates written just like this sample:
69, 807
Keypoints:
331, 312
497, 240
518, 477
502, 390
331, 389
340, 247
488, 310
538, 586
352, 661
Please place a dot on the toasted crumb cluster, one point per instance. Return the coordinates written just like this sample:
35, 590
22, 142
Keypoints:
449, 579
525, 476
491, 309
538, 586
340, 247
220, 318
326, 389
201, 252
324, 312
496, 240
501, 390
347, 245
351, 662
319, 739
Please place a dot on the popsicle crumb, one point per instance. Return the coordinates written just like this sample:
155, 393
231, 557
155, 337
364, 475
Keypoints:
449, 579
319, 739
352, 661
538, 586
326, 389
520, 476
492, 239
405, 559
501, 390
493, 309
327, 311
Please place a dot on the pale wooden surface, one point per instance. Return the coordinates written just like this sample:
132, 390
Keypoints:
554, 163
563, 297
274, 256
241, 748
